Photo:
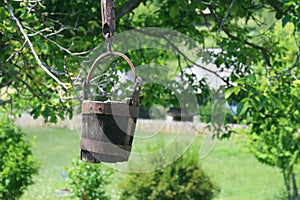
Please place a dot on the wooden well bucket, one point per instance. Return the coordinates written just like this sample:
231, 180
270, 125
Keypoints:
108, 127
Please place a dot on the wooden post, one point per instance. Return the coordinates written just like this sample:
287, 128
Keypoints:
108, 18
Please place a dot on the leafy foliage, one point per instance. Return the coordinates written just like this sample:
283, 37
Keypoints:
206, 114
87, 181
184, 179
17, 164
63, 33
271, 106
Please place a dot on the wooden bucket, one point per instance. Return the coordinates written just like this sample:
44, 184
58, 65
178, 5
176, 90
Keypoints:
108, 127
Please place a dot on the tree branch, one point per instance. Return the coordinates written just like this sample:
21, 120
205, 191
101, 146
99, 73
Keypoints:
184, 55
10, 10
195, 63
127, 7
264, 51
296, 64
226, 16
277, 5
30, 88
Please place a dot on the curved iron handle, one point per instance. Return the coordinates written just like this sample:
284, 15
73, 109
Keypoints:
136, 80
109, 54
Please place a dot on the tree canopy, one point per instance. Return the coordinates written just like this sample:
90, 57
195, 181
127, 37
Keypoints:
54, 36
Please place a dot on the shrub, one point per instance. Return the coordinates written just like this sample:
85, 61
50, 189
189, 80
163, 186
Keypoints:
17, 164
207, 109
184, 179
87, 181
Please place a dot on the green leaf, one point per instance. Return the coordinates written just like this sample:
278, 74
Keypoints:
289, 3
262, 103
296, 82
1, 78
278, 15
55, 100
242, 108
231, 90
251, 78
240, 80
285, 20
276, 102
174, 11
82, 29
255, 103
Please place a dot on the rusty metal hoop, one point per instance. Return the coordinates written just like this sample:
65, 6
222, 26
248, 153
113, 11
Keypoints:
136, 80
106, 54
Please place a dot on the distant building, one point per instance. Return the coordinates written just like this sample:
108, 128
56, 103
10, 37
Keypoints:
204, 69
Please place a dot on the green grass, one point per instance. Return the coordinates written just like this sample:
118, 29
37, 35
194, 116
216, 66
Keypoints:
235, 170
239, 174
55, 148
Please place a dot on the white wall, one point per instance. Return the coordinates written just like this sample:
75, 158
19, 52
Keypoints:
143, 125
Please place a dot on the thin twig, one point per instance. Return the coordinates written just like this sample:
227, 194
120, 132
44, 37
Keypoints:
194, 63
226, 15
16, 52
58, 45
56, 32
38, 32
64, 14
292, 68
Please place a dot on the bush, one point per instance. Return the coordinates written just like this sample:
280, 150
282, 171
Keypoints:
87, 181
17, 164
206, 112
184, 179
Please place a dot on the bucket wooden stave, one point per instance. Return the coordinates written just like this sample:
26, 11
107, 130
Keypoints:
108, 130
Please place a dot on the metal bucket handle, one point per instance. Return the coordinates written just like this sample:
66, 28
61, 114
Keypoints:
136, 80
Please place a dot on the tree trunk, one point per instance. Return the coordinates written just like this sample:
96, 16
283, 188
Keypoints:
127, 7
83, 196
287, 185
295, 187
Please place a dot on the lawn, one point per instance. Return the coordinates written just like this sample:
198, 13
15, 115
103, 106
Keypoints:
55, 148
237, 172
